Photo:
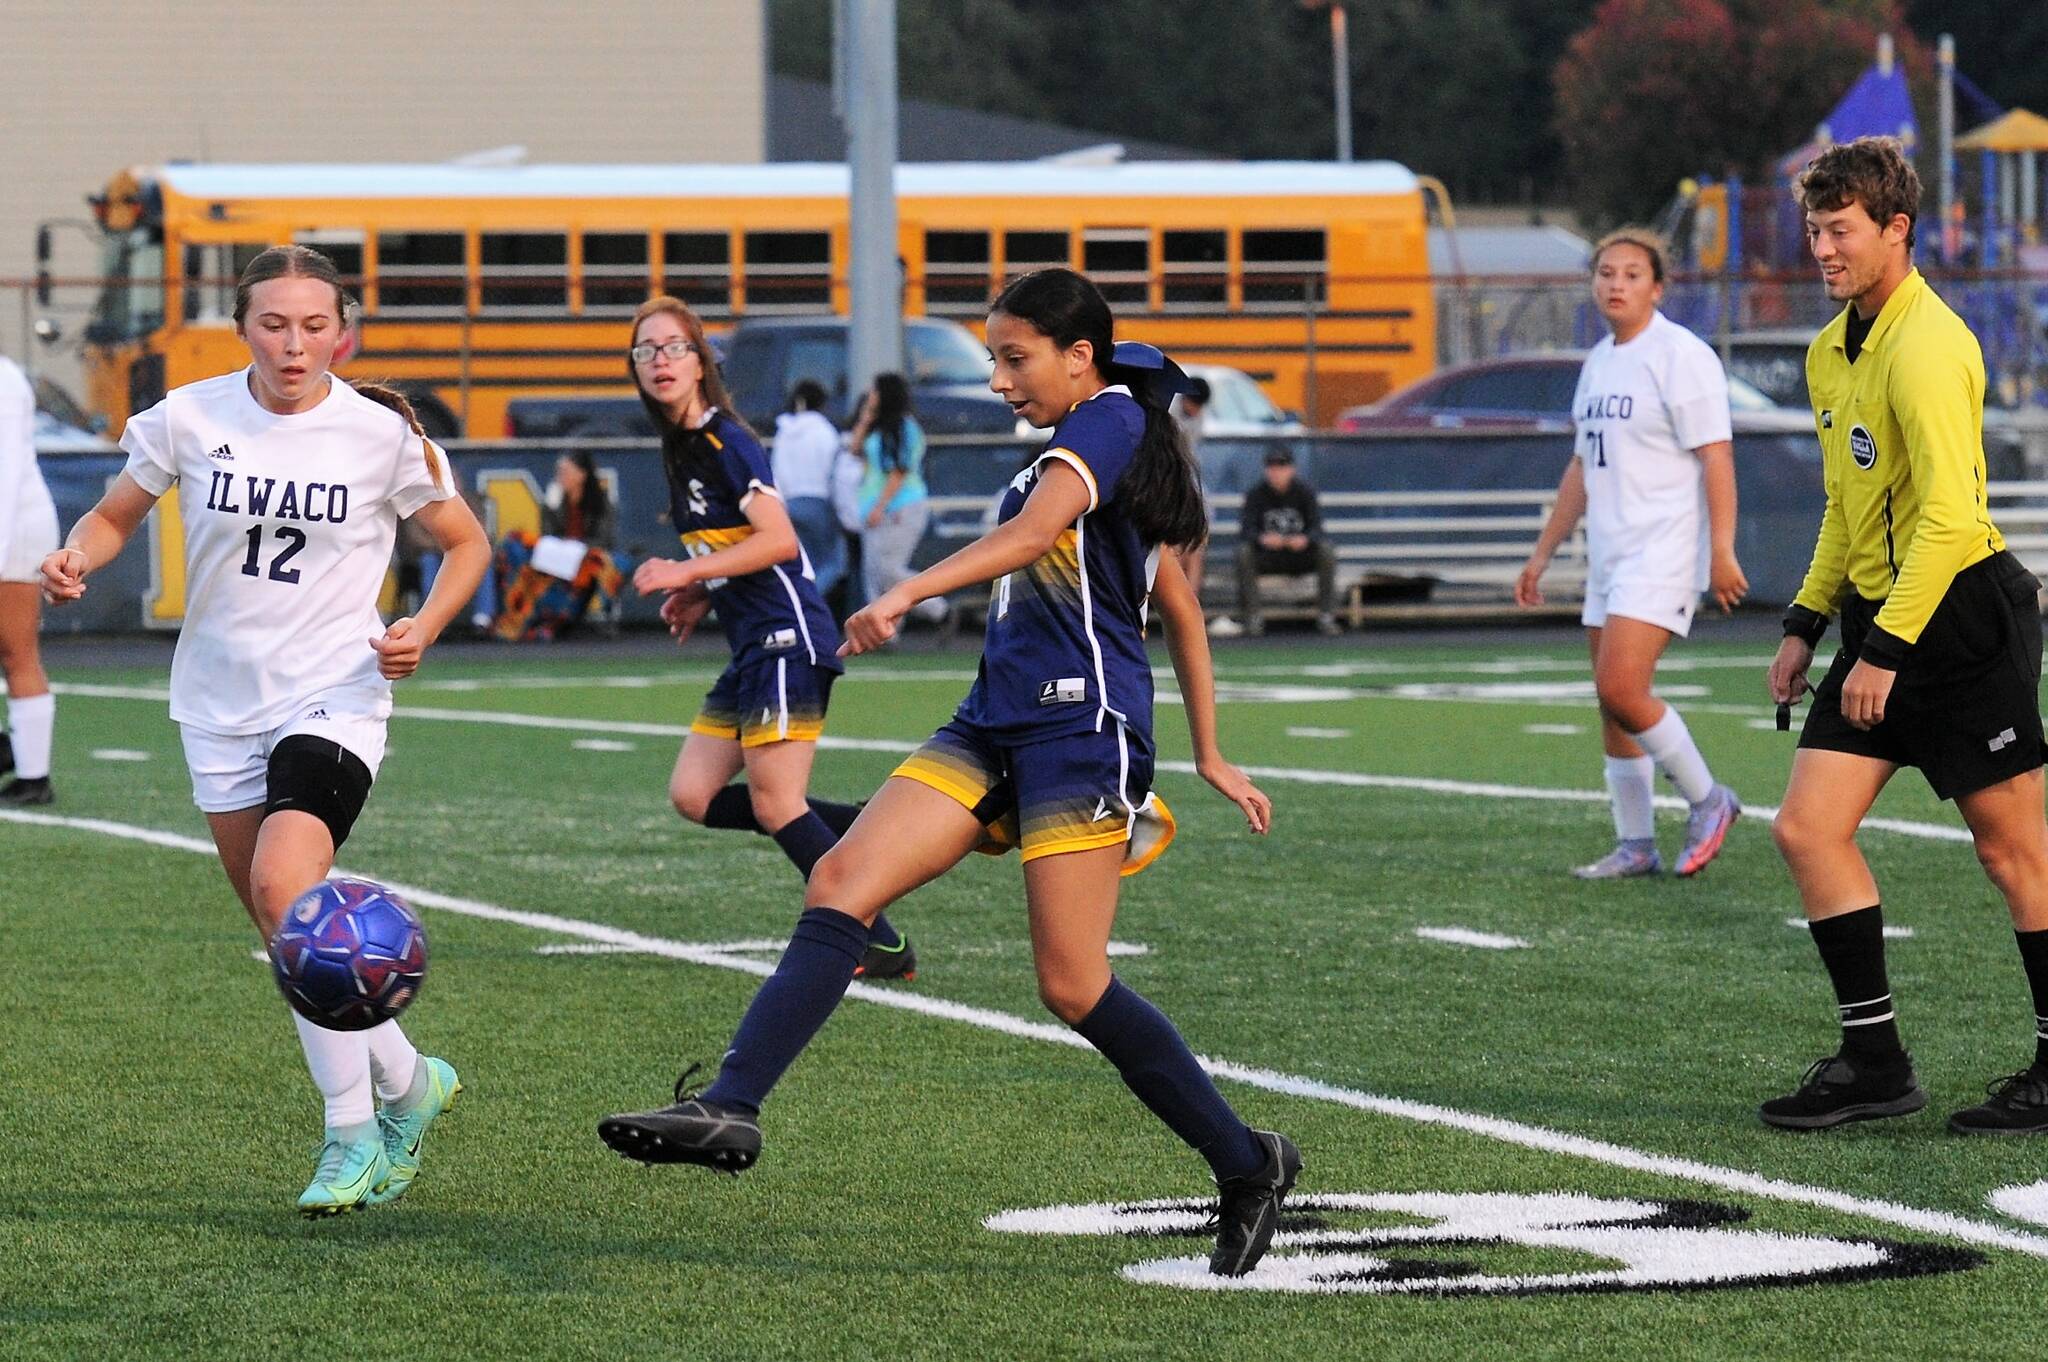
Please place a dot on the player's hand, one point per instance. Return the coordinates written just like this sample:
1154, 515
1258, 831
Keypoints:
1529, 585
1787, 676
63, 576
1727, 584
662, 574
398, 652
1235, 786
1864, 694
869, 628
684, 610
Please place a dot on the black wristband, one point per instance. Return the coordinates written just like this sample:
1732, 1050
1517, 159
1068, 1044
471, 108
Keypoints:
1808, 626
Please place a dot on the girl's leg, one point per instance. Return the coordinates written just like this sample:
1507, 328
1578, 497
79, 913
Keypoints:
703, 769
907, 835
1624, 673
1072, 900
1630, 774
31, 708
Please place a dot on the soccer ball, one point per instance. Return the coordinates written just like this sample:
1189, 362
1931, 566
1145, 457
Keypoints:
349, 954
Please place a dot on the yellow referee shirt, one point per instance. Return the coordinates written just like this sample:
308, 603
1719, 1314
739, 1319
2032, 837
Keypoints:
1902, 458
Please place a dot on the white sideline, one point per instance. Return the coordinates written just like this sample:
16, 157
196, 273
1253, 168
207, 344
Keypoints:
1518, 1133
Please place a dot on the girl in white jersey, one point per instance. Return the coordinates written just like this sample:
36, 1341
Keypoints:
1653, 472
291, 488
28, 531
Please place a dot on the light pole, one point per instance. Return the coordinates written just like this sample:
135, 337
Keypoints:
1340, 67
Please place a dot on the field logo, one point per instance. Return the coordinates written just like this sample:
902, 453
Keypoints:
1412, 1241
1862, 448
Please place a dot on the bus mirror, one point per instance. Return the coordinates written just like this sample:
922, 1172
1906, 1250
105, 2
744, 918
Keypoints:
43, 265
46, 330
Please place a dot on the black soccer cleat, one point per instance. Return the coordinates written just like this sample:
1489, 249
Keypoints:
6, 753
691, 1131
1248, 1208
2014, 1105
21, 792
888, 962
1836, 1090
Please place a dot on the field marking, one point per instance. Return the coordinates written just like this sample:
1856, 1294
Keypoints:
1933, 832
604, 745
1890, 933
1465, 936
1116, 948
118, 754
1311, 731
1554, 730
2024, 1201
1518, 1133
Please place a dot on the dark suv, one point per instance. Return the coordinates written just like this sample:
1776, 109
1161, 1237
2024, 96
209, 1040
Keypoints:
947, 367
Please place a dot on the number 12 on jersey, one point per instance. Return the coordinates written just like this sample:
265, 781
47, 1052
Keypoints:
292, 540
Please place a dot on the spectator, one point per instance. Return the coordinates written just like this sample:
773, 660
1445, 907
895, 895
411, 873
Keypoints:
1283, 534
806, 444
549, 586
895, 505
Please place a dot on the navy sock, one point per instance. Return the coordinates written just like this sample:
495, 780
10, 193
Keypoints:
838, 817
805, 839
884, 934
1158, 1066
732, 810
2034, 955
1851, 945
791, 1005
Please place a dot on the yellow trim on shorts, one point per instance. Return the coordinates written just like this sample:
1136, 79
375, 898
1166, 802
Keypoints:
938, 780
1061, 845
765, 734
712, 728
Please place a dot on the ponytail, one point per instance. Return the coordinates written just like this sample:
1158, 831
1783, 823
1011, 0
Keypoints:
386, 396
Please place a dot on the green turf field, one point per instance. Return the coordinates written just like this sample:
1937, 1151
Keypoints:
1510, 1152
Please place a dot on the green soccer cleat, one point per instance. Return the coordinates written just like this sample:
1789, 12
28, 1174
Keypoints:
348, 1174
403, 1134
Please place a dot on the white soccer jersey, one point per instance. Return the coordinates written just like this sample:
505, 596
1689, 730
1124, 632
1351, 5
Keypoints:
28, 518
1641, 410
289, 522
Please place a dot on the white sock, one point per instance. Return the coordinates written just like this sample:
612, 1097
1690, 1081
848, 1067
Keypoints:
1670, 742
393, 1060
340, 1064
1628, 789
29, 724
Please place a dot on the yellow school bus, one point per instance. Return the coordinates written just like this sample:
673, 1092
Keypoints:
481, 284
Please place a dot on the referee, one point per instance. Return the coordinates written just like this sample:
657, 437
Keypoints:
1940, 662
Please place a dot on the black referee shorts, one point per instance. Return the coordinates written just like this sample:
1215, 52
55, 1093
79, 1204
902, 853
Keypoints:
1966, 706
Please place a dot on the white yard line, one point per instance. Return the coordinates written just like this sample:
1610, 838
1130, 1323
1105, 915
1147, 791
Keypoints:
1519, 1133
1465, 936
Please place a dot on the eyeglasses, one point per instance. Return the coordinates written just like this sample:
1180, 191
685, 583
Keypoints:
644, 352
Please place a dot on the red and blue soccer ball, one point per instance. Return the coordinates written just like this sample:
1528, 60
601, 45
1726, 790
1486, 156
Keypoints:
349, 955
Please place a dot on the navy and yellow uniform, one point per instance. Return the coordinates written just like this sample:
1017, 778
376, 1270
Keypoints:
1909, 553
784, 644
1052, 748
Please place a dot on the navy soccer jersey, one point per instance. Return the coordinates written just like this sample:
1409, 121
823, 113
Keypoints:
1065, 650
777, 611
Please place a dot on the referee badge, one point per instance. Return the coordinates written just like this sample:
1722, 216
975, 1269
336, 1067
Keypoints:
1862, 448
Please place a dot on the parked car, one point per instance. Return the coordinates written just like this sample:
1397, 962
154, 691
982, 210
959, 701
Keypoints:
63, 427
1239, 408
1519, 391
947, 367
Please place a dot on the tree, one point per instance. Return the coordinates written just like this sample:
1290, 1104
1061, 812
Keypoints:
2001, 45
1656, 90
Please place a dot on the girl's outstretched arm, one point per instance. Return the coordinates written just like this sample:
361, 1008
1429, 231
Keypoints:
1187, 639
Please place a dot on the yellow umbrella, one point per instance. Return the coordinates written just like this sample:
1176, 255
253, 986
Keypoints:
2019, 130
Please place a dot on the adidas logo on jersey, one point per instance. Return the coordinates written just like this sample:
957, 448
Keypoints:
224, 454
317, 714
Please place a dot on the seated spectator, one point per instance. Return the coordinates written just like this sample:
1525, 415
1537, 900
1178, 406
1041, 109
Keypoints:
806, 445
553, 579
1282, 526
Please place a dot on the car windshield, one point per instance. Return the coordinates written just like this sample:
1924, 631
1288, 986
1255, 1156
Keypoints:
1746, 396
941, 354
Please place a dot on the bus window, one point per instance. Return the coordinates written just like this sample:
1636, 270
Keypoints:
956, 272
789, 271
1024, 252
697, 268
524, 272
131, 305
1196, 269
1119, 260
210, 275
614, 271
420, 272
1283, 268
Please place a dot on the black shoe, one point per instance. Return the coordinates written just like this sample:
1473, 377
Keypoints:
2017, 1105
21, 791
6, 753
1248, 1208
691, 1131
888, 962
1836, 1090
